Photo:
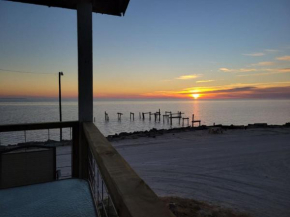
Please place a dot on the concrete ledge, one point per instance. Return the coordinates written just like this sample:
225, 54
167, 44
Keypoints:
132, 197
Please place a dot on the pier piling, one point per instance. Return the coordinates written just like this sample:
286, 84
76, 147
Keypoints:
131, 115
167, 118
119, 116
194, 121
106, 116
183, 121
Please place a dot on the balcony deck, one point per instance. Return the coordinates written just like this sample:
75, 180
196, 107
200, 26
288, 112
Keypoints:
70, 197
114, 188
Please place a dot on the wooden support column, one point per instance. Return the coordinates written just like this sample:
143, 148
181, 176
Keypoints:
85, 60
85, 78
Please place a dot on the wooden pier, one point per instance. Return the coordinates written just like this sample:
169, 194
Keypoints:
106, 116
119, 116
195, 121
178, 116
183, 121
168, 116
132, 115
144, 113
156, 115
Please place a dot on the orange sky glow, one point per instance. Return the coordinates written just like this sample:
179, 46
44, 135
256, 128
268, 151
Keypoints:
194, 53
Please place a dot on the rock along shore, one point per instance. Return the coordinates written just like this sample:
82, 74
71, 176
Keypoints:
157, 132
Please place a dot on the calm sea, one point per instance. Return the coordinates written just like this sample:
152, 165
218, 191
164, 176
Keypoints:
237, 112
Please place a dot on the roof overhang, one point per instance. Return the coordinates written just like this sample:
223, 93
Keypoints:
110, 7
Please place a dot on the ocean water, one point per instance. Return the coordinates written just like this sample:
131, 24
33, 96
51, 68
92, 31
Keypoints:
237, 112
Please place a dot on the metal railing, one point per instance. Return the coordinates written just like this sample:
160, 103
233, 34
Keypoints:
25, 136
102, 198
116, 187
44, 135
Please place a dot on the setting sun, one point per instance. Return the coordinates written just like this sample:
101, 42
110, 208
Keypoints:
195, 96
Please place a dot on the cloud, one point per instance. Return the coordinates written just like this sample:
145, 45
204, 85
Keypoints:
269, 72
254, 54
225, 70
232, 91
187, 77
284, 58
263, 64
284, 70
258, 74
271, 50
238, 70
204, 81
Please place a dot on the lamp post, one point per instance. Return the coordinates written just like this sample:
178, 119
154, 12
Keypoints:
59, 98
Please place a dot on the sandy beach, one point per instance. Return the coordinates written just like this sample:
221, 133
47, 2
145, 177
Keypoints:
245, 170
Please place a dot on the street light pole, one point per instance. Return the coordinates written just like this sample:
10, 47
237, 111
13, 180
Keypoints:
59, 98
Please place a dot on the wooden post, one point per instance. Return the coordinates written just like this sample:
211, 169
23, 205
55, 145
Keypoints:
192, 120
119, 116
85, 78
85, 60
59, 98
106, 116
75, 152
132, 114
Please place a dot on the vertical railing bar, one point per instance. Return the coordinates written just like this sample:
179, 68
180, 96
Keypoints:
94, 171
104, 209
98, 184
102, 198
102, 190
75, 151
113, 205
108, 206
98, 195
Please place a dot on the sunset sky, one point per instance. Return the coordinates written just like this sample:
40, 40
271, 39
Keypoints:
160, 49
